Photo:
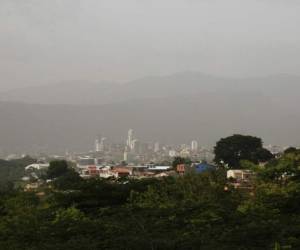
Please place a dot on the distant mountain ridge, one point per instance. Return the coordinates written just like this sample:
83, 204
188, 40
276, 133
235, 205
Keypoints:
179, 85
171, 109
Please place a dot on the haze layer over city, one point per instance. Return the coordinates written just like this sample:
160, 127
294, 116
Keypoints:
149, 124
174, 71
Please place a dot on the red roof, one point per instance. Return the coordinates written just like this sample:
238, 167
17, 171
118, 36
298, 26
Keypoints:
121, 170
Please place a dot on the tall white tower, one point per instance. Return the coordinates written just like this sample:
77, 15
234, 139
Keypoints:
125, 155
130, 138
134, 143
102, 145
194, 146
97, 145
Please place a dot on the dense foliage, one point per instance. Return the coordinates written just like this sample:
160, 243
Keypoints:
195, 211
13, 170
231, 150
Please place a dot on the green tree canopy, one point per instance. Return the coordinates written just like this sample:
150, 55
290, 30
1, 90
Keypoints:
57, 169
13, 170
291, 150
231, 150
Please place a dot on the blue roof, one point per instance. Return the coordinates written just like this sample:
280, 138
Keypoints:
203, 167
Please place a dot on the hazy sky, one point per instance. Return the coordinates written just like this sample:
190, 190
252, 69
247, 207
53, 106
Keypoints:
49, 41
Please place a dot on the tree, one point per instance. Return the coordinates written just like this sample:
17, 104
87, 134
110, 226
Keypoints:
57, 169
263, 155
231, 150
282, 170
70, 180
13, 170
290, 150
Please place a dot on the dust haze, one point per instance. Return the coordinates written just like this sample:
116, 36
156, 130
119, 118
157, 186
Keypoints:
173, 70
48, 42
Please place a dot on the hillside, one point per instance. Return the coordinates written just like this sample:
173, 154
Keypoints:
205, 117
285, 87
171, 109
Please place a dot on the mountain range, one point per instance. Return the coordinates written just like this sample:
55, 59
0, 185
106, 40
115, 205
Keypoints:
171, 109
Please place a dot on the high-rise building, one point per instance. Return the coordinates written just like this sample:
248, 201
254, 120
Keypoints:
194, 146
135, 146
129, 138
156, 147
125, 157
97, 145
102, 144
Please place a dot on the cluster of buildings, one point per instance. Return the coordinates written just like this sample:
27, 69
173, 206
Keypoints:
136, 159
136, 151
88, 167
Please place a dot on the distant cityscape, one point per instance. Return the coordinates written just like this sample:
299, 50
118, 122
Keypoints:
135, 151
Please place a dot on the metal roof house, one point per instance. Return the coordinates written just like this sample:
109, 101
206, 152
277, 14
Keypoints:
204, 167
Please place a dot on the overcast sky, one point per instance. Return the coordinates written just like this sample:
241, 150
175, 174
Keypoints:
49, 41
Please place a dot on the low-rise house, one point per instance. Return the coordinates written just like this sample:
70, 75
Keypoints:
159, 168
139, 170
122, 171
204, 167
37, 166
144, 174
92, 171
160, 175
240, 178
31, 186
180, 169
106, 173
240, 174
84, 162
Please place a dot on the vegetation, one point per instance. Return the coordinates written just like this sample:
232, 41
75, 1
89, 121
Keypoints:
195, 211
231, 150
13, 170
57, 169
